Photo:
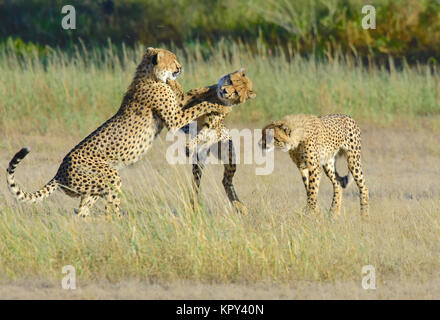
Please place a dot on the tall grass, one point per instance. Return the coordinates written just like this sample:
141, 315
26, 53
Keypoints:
75, 92
163, 239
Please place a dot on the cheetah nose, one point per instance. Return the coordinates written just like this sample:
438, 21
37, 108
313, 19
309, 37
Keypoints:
178, 72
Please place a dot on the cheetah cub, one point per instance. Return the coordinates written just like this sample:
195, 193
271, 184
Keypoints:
232, 89
314, 142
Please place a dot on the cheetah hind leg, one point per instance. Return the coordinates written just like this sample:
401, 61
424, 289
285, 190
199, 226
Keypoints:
230, 167
355, 167
113, 200
199, 160
85, 204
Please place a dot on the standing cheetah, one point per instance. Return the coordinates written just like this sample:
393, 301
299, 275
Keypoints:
90, 170
313, 142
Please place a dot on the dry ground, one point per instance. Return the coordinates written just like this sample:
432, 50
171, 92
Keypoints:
179, 290
402, 168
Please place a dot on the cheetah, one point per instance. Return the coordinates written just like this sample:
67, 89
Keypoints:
232, 89
90, 170
313, 142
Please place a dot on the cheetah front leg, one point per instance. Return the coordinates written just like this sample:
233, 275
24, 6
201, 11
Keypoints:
329, 170
198, 94
176, 118
313, 187
302, 167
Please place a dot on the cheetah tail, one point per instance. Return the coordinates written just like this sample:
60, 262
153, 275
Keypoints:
346, 180
18, 193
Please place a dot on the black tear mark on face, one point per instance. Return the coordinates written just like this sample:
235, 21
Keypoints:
154, 60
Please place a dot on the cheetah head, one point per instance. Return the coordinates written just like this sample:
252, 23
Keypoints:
279, 134
160, 64
235, 88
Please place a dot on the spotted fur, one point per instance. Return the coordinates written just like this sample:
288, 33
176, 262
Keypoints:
314, 142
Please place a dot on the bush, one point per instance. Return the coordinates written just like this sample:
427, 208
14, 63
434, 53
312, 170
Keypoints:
408, 28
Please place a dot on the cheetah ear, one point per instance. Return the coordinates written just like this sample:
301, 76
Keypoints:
242, 71
157, 57
277, 124
283, 126
150, 51
154, 54
252, 95
154, 59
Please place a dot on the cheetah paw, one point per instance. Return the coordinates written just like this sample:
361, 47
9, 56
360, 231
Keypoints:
240, 207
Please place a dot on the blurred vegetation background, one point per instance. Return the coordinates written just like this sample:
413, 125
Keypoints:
406, 29
309, 56
303, 56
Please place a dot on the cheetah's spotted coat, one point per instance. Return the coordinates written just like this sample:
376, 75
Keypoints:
232, 89
314, 142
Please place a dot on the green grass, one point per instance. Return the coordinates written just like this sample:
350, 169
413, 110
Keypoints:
50, 104
74, 92
162, 239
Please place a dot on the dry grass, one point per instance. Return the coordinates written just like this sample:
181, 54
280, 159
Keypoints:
73, 93
163, 242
